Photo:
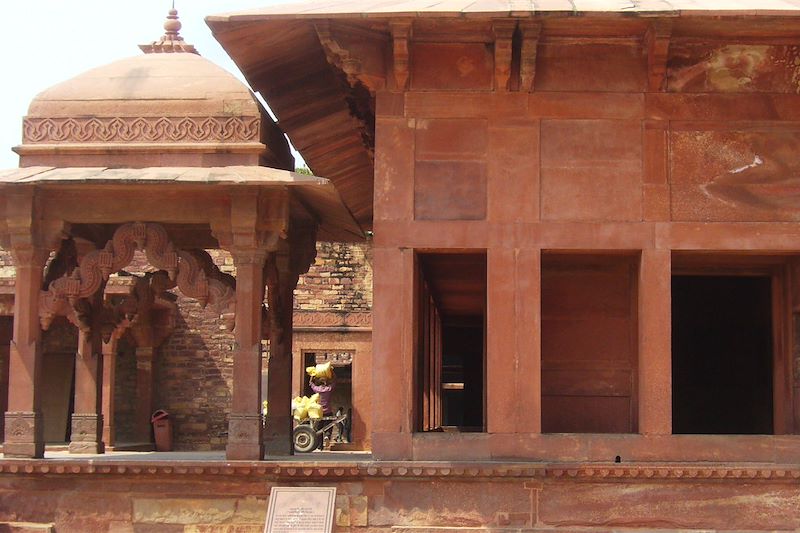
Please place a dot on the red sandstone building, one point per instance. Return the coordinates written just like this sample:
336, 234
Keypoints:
585, 266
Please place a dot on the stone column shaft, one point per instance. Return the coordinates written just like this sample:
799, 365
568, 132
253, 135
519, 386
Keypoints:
24, 431
87, 418
109, 381
144, 392
244, 425
278, 439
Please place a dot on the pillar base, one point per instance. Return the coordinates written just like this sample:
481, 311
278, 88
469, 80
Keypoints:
87, 434
24, 435
244, 438
278, 439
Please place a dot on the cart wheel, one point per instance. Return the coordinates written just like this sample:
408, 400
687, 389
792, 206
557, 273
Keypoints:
305, 439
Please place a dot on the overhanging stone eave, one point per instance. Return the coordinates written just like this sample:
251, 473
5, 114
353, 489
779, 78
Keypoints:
317, 195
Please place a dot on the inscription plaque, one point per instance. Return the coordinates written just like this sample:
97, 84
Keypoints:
300, 510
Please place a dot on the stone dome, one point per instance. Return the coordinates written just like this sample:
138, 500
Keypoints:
134, 111
157, 84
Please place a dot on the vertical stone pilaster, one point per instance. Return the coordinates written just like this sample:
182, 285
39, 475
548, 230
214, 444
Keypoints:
655, 342
24, 435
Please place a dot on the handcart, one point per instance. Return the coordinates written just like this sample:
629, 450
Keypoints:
310, 434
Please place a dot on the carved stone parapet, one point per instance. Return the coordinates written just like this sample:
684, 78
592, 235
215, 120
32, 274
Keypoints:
24, 434
87, 433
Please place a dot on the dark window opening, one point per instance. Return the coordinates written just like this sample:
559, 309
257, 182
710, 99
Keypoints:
722, 355
451, 339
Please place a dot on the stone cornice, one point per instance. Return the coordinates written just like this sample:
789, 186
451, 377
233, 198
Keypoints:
731, 472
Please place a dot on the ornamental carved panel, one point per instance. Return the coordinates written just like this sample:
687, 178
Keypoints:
141, 129
20, 427
86, 427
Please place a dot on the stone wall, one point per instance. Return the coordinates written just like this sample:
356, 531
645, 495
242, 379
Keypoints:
402, 498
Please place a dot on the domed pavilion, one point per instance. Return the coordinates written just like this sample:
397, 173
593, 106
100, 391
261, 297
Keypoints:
167, 154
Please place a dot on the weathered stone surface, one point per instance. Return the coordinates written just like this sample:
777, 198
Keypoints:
689, 505
434, 503
183, 511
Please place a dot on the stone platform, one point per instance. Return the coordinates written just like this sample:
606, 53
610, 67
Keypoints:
202, 492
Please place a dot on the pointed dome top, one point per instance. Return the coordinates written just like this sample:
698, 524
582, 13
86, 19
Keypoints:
171, 41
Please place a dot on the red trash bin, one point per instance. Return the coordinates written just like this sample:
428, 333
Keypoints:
162, 430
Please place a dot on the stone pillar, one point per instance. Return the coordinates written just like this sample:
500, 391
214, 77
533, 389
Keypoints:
513, 344
244, 425
24, 430
278, 433
655, 343
144, 392
87, 418
109, 381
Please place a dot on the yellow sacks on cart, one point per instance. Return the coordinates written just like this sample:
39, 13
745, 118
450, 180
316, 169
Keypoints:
304, 407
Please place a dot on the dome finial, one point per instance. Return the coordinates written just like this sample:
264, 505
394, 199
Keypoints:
171, 41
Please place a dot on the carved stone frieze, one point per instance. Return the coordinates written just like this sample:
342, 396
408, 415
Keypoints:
141, 129
244, 428
328, 319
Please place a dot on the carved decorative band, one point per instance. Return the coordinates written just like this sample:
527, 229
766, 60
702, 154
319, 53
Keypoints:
325, 319
349, 470
141, 129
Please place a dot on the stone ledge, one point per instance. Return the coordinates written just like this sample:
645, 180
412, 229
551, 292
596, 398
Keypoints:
359, 470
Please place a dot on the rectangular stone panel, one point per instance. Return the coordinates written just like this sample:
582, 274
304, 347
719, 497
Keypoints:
591, 170
591, 67
585, 414
450, 67
747, 176
451, 139
450, 190
702, 67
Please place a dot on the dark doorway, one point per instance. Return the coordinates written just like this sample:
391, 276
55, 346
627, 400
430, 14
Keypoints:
722, 355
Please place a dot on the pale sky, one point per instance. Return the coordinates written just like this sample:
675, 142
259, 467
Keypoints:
44, 42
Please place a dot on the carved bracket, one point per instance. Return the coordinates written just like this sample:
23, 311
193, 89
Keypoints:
189, 270
503, 38
531, 31
401, 35
657, 41
357, 51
